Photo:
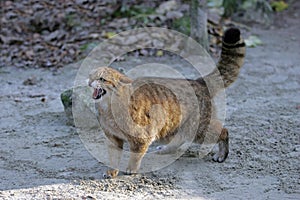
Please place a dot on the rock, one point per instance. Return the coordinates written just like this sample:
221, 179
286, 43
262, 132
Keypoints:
81, 98
174, 15
31, 81
166, 7
66, 99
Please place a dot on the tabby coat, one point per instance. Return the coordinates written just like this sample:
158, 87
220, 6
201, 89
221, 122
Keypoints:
144, 110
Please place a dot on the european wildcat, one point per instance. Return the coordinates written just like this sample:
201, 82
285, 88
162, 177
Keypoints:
152, 111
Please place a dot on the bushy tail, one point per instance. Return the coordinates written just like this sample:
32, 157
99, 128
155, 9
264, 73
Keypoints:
232, 56
230, 62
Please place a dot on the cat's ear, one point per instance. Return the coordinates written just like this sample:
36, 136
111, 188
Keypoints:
125, 80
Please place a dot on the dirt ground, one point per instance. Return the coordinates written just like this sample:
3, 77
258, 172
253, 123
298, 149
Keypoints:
41, 157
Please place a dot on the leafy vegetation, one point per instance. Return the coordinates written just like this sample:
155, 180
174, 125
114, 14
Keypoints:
279, 5
137, 12
230, 6
233, 6
182, 25
133, 11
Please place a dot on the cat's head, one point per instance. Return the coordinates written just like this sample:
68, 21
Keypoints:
106, 80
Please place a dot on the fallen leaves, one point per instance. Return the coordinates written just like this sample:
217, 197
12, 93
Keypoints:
10, 40
54, 36
47, 33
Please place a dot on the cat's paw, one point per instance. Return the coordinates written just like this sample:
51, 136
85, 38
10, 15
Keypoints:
112, 173
222, 152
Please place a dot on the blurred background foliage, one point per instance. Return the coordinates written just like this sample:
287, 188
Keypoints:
54, 33
249, 10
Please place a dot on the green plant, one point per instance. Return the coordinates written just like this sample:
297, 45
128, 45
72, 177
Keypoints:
230, 6
72, 20
133, 11
88, 46
182, 25
279, 5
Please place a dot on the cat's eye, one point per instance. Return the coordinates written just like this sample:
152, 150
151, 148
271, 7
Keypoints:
102, 79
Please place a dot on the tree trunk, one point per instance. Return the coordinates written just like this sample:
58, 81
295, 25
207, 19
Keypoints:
199, 24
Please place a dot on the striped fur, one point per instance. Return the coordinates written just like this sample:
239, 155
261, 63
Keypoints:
232, 56
147, 109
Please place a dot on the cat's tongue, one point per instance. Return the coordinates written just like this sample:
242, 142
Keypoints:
96, 93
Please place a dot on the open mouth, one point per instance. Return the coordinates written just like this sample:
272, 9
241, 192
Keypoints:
98, 93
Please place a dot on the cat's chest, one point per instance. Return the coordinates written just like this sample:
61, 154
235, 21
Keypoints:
103, 106
106, 116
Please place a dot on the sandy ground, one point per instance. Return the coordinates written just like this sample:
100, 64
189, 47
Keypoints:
41, 157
